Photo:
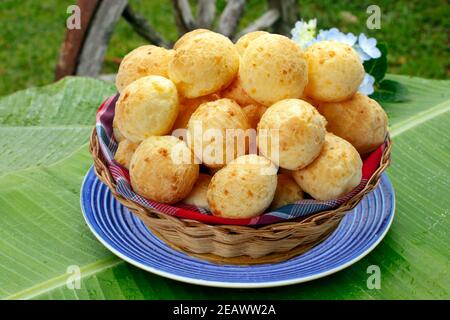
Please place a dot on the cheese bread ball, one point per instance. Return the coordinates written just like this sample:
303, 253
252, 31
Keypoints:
189, 35
334, 173
207, 132
124, 152
188, 107
273, 68
235, 92
147, 107
197, 197
291, 133
288, 192
254, 112
143, 61
204, 64
158, 172
117, 135
335, 71
244, 188
244, 41
360, 120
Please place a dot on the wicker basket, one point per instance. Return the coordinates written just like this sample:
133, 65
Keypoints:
232, 244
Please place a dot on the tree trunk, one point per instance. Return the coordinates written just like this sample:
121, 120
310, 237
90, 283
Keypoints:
99, 34
206, 13
289, 14
73, 41
142, 27
263, 22
183, 16
230, 17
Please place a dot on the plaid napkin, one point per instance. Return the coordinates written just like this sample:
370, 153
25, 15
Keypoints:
302, 208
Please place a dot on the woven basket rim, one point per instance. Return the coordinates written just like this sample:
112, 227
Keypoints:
102, 171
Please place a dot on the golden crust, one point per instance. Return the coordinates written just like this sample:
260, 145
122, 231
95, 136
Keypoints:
334, 173
189, 35
197, 197
188, 107
117, 135
244, 41
300, 130
124, 152
359, 120
273, 68
204, 64
288, 192
146, 107
211, 118
244, 188
235, 92
143, 61
335, 71
157, 172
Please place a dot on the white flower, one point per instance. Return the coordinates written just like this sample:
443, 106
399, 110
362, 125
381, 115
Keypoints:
366, 86
367, 48
304, 32
334, 34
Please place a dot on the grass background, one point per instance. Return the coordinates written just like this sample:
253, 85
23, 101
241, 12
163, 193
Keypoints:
31, 32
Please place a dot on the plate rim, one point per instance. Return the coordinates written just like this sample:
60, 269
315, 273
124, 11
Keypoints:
236, 285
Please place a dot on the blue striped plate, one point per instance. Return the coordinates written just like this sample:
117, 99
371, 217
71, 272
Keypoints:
127, 237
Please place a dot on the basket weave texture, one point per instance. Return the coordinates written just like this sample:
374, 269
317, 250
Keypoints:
233, 244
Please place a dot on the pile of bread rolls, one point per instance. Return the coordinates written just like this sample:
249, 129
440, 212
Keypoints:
264, 82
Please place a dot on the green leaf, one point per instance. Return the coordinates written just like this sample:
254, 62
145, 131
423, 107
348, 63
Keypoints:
378, 67
42, 125
42, 231
390, 91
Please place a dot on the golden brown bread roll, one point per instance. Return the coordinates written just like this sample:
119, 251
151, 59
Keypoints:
124, 152
235, 92
161, 169
244, 41
146, 107
254, 113
335, 71
360, 120
207, 132
273, 68
334, 173
143, 61
197, 197
188, 107
291, 133
117, 135
189, 35
287, 192
204, 64
244, 188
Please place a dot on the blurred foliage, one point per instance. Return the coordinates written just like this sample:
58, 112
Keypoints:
32, 31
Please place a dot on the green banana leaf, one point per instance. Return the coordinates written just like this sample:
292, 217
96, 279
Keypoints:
44, 156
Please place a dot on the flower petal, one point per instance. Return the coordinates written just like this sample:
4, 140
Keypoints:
374, 53
364, 56
362, 39
366, 86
